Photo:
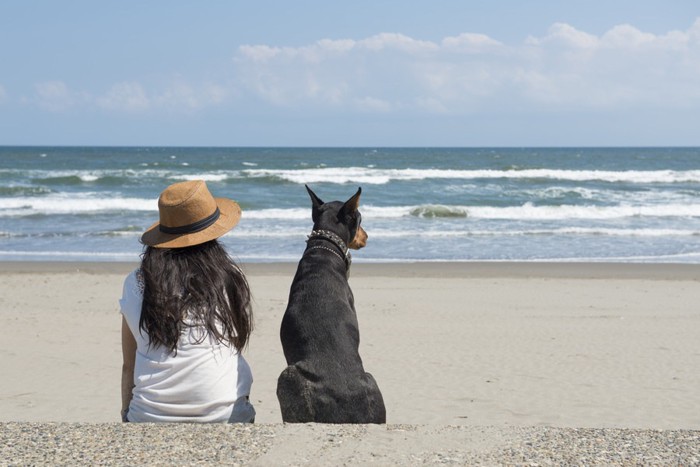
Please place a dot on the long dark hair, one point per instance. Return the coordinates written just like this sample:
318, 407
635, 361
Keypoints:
201, 283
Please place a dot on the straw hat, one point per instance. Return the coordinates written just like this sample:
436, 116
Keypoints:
190, 215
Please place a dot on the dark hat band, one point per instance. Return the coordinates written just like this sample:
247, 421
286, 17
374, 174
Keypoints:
191, 228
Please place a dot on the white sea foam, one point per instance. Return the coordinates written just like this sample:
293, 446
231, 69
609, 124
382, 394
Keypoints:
273, 213
529, 211
86, 255
691, 257
524, 212
382, 176
326, 174
436, 234
91, 202
87, 175
74, 204
207, 177
646, 196
291, 233
82, 175
563, 192
377, 176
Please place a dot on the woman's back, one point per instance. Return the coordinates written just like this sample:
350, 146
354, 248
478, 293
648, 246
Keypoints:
200, 381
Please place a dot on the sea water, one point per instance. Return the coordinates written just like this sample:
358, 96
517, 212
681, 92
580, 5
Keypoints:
417, 204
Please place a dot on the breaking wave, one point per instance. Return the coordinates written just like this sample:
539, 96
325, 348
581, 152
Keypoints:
383, 176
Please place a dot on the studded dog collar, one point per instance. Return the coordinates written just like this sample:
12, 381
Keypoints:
337, 241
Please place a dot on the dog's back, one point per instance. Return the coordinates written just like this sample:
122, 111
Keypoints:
325, 380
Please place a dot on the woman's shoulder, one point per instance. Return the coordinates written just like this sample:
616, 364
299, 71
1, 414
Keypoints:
132, 293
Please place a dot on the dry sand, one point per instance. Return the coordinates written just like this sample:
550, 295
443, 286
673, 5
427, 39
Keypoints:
475, 361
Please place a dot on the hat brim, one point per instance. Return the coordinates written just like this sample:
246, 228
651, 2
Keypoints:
230, 214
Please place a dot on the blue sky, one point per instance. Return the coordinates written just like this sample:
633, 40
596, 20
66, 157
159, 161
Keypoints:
360, 73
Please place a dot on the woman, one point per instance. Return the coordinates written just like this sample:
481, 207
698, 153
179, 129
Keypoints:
186, 316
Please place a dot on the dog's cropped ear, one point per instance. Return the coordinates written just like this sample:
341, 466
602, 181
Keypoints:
351, 205
315, 200
316, 204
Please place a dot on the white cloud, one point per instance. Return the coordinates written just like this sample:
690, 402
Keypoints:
625, 36
566, 35
132, 97
342, 45
372, 104
126, 96
328, 48
259, 53
398, 42
565, 69
181, 95
53, 96
471, 42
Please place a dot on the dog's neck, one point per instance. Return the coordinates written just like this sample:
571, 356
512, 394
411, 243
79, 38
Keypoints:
335, 240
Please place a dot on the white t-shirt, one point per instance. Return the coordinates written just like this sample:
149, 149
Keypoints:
202, 382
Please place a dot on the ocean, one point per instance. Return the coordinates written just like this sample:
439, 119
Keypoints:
418, 204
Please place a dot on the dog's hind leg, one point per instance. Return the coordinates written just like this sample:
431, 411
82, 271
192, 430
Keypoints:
294, 396
375, 401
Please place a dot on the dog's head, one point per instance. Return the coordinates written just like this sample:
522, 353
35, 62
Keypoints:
343, 219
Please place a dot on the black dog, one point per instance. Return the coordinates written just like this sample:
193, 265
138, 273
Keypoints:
325, 381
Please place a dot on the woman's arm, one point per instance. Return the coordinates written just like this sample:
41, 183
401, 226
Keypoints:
129, 358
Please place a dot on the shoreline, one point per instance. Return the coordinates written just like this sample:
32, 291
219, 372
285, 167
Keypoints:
428, 269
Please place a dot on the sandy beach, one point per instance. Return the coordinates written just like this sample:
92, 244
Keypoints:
475, 357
